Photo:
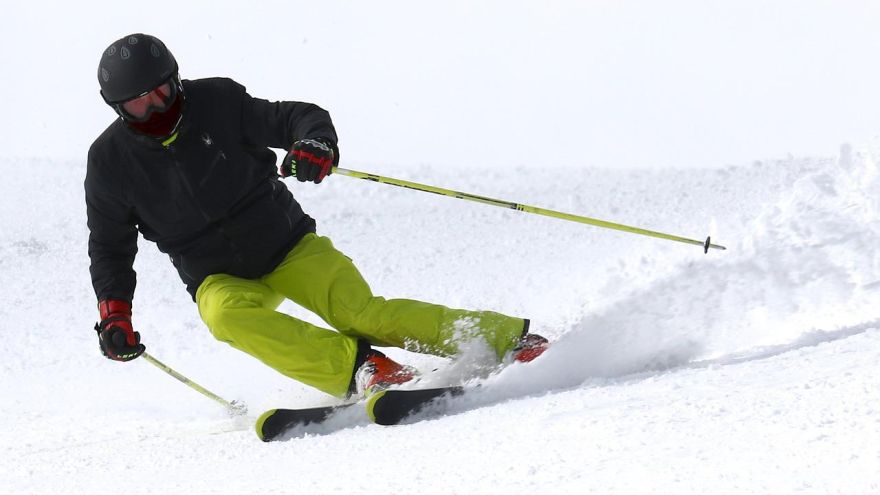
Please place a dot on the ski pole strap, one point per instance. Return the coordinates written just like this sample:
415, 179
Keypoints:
706, 245
233, 407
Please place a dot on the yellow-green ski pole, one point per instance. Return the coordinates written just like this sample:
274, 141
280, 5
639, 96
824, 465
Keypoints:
520, 207
234, 408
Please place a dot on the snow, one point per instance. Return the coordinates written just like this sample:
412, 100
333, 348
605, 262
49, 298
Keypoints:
751, 370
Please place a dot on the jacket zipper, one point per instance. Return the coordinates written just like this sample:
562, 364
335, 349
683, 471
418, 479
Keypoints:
275, 184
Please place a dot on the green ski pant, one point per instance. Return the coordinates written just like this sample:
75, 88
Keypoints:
242, 313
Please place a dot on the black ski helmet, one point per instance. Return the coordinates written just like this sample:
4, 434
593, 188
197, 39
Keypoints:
133, 65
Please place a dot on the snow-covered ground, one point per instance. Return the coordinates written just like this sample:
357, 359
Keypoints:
752, 370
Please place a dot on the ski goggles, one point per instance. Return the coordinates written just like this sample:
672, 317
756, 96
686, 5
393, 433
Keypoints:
141, 107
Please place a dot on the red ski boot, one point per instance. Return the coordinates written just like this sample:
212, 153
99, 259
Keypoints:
380, 372
530, 347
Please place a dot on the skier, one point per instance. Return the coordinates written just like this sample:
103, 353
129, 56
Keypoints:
188, 165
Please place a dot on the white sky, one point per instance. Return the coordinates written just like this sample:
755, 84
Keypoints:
694, 83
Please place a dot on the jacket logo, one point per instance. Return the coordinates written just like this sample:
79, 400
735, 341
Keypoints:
207, 139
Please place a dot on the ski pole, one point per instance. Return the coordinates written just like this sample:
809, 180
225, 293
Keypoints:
234, 408
528, 209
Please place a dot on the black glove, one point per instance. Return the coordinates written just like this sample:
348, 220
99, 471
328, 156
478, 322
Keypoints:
116, 337
309, 160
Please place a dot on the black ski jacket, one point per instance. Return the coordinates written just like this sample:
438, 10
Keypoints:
211, 200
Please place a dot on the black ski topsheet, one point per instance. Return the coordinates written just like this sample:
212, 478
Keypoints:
390, 407
273, 423
387, 407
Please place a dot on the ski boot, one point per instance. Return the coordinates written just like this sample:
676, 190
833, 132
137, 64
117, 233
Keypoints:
530, 347
378, 372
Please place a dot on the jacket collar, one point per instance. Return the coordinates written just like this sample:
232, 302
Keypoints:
151, 142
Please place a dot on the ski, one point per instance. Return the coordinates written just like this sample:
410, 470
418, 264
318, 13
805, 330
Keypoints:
274, 423
385, 407
390, 407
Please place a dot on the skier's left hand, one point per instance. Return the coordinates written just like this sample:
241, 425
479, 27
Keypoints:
309, 160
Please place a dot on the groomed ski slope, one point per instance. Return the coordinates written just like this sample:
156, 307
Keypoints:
753, 370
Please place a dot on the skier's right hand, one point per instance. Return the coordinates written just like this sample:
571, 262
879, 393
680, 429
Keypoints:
116, 337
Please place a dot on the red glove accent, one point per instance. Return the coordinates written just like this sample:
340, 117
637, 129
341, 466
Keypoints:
116, 337
309, 160
116, 313
322, 162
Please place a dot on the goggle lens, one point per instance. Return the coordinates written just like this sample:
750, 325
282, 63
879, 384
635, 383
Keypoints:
140, 108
